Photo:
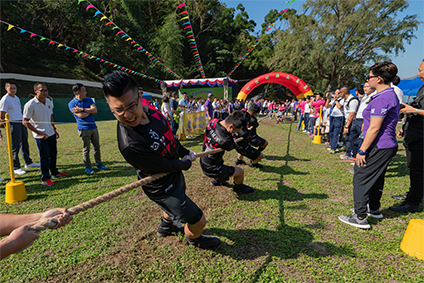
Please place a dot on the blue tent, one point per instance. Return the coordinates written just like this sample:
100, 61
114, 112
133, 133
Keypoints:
410, 86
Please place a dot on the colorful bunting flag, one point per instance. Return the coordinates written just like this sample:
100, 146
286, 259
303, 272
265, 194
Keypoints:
51, 42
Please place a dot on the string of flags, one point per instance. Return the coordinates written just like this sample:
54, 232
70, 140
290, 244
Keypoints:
258, 40
78, 52
126, 37
190, 36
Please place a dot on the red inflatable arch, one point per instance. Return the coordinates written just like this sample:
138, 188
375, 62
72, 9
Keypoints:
296, 85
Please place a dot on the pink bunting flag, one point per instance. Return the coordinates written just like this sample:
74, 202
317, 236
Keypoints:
75, 51
119, 32
89, 6
32, 35
187, 27
181, 5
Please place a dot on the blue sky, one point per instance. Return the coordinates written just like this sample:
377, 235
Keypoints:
407, 62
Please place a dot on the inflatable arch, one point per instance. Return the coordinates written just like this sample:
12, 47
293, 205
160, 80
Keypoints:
296, 85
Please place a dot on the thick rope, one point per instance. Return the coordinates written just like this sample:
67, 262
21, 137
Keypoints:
52, 222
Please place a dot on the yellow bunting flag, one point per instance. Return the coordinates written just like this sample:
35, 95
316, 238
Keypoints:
103, 18
10, 27
60, 45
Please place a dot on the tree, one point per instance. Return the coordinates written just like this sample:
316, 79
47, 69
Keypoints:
337, 39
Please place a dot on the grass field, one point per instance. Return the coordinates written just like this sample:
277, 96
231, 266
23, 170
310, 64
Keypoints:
287, 231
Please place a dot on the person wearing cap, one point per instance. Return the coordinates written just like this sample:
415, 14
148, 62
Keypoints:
208, 107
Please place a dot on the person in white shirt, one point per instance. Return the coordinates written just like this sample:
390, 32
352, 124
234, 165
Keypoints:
38, 117
336, 117
398, 91
350, 109
10, 104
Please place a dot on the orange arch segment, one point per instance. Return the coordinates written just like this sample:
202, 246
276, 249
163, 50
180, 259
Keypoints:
299, 88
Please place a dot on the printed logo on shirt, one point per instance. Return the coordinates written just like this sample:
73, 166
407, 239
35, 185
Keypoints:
372, 111
153, 135
155, 146
383, 111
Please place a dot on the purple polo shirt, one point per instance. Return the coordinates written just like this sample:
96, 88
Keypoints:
383, 104
208, 108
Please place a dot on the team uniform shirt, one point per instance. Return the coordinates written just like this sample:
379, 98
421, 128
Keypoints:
350, 106
337, 112
281, 110
40, 116
87, 123
208, 108
383, 104
152, 149
12, 106
271, 106
317, 104
216, 136
302, 107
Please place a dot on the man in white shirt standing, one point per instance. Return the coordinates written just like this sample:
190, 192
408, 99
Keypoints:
350, 109
10, 104
38, 117
336, 118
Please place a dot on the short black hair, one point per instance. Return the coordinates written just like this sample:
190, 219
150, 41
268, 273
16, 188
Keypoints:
254, 108
165, 99
76, 87
360, 89
118, 83
238, 119
38, 83
396, 80
10, 83
319, 93
386, 70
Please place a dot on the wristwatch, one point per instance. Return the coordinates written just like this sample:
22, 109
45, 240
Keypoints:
361, 152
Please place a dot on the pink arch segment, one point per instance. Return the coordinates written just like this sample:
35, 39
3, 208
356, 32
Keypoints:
296, 85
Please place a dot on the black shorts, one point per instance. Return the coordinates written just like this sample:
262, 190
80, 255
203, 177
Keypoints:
179, 206
257, 141
222, 172
248, 151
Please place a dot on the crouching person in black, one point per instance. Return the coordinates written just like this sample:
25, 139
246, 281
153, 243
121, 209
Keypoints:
147, 143
219, 134
250, 139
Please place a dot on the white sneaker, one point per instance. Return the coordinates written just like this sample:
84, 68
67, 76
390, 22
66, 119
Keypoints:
32, 165
19, 171
1, 179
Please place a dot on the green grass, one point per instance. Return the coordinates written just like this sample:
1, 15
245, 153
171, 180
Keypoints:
287, 231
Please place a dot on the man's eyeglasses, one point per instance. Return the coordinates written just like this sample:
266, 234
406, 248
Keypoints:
130, 108
369, 77
45, 90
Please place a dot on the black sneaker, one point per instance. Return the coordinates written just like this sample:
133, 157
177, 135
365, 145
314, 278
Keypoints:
205, 242
404, 207
255, 165
240, 162
167, 228
242, 189
402, 197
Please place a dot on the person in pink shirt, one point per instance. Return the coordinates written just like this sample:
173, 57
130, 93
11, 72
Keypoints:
271, 107
280, 114
318, 104
302, 113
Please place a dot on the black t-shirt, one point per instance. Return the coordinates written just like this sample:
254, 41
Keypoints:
414, 125
245, 132
152, 149
216, 136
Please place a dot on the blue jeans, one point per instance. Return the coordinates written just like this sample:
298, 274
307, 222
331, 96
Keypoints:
48, 156
174, 127
335, 129
355, 132
19, 134
300, 122
306, 117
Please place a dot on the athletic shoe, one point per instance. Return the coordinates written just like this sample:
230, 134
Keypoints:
240, 162
373, 213
242, 189
403, 197
205, 242
167, 228
327, 143
32, 165
329, 148
1, 179
332, 151
89, 170
404, 207
19, 171
216, 182
47, 182
352, 171
344, 156
352, 159
353, 220
255, 165
311, 135
102, 167
353, 163
60, 175
304, 131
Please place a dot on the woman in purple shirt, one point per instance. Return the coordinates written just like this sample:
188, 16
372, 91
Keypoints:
378, 148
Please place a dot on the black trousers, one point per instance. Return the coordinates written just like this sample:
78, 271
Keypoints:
368, 181
415, 159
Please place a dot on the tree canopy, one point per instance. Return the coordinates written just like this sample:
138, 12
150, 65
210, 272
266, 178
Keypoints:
328, 44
